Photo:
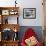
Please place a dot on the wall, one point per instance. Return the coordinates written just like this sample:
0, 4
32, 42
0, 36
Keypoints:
27, 4
39, 13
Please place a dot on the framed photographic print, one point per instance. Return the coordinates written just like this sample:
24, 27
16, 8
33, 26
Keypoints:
29, 13
5, 12
13, 20
13, 12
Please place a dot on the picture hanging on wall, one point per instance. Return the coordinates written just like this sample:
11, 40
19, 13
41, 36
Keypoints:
29, 13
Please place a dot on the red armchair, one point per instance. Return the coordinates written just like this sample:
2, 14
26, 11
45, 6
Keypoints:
30, 34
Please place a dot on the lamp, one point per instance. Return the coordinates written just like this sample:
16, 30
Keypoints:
15, 3
15, 30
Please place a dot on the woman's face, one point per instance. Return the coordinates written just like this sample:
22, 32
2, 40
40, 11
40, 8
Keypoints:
31, 41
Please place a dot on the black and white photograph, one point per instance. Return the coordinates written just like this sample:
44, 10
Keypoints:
29, 13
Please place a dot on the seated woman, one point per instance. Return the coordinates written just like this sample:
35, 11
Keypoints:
30, 38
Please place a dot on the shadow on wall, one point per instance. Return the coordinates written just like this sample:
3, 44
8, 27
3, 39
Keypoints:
37, 29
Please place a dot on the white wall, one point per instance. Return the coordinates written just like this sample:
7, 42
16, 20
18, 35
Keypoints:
39, 13
27, 4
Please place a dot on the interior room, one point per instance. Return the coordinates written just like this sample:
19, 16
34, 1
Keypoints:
22, 22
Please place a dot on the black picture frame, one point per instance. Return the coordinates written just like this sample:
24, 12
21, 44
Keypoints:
29, 13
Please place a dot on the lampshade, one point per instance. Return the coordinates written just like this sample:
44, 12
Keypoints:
15, 3
15, 30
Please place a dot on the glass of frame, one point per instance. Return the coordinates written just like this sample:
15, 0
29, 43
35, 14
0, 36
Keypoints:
29, 13
10, 20
13, 20
5, 12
